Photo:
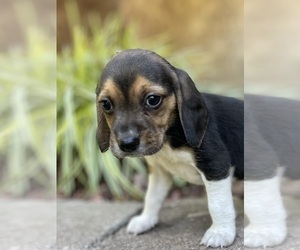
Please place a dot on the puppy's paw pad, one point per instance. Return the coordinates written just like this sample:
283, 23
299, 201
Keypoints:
264, 236
218, 236
141, 223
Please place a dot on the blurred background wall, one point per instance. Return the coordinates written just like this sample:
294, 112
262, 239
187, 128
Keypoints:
17, 16
272, 48
214, 27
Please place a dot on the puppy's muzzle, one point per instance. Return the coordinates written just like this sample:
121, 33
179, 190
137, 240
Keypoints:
129, 143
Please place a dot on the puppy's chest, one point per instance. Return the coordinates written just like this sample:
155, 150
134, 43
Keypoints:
179, 162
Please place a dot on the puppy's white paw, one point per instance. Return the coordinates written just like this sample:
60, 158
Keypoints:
141, 223
218, 236
268, 236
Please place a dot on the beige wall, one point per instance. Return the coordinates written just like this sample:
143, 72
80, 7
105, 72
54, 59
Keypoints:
272, 47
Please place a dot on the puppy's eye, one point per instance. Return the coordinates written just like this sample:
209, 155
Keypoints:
153, 101
107, 105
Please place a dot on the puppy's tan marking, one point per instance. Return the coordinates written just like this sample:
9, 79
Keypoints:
111, 90
164, 116
142, 86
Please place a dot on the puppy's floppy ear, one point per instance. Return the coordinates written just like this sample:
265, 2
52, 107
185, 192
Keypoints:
192, 109
103, 131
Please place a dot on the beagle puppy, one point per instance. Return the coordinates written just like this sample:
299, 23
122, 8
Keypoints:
147, 107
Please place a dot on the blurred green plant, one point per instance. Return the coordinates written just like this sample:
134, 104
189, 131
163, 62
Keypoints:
79, 67
27, 110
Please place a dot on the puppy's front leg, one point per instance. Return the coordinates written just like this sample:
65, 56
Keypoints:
220, 205
158, 186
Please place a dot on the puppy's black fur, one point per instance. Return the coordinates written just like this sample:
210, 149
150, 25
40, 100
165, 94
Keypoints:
272, 137
223, 144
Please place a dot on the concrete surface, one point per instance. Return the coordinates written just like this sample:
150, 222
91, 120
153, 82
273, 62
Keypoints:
81, 224
27, 224
183, 223
95, 225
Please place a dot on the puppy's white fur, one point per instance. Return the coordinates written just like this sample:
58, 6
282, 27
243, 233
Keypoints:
220, 205
182, 163
266, 213
158, 186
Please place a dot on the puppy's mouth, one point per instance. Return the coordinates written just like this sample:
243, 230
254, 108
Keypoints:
140, 151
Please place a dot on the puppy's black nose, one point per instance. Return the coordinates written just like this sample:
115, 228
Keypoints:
129, 144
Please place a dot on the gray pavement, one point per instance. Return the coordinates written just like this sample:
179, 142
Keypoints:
81, 224
95, 225
182, 224
27, 224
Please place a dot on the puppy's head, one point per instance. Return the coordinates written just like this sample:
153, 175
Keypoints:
138, 97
